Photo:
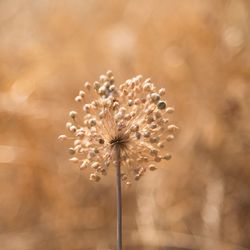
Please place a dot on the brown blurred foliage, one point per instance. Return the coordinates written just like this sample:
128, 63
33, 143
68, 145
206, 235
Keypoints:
198, 49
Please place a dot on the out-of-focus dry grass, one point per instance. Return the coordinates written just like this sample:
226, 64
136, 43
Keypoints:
198, 49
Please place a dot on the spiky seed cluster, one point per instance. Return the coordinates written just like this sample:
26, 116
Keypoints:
133, 117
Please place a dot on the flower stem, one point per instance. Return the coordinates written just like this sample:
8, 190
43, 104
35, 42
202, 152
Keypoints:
118, 196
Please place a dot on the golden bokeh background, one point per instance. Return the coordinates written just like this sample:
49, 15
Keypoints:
199, 50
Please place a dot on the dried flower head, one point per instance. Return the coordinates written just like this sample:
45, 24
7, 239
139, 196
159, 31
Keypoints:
133, 117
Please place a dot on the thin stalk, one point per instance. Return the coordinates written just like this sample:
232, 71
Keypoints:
118, 196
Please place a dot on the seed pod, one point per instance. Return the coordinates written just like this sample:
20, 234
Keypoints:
84, 164
132, 114
172, 128
103, 78
124, 177
73, 129
62, 137
146, 86
138, 135
161, 105
138, 78
68, 125
152, 167
101, 141
142, 170
73, 114
122, 110
130, 102
146, 134
137, 177
165, 120
77, 142
128, 161
149, 111
103, 171
97, 85
153, 152
124, 92
92, 122
160, 145
167, 157
109, 73
127, 117
81, 93
150, 119
94, 177
102, 90
170, 110
80, 134
157, 114
111, 80
102, 114
137, 101
119, 115
153, 125
170, 137
112, 88
162, 91
157, 159
134, 128
87, 85
155, 97
93, 105
78, 148
71, 151
154, 139
74, 159
86, 108
95, 165
78, 98
96, 150
115, 105
131, 95
91, 155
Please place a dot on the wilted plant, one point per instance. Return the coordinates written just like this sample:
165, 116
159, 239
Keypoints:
127, 127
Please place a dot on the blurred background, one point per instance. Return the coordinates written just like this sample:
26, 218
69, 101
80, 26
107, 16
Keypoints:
199, 50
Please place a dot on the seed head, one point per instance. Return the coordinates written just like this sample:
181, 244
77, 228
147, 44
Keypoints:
133, 117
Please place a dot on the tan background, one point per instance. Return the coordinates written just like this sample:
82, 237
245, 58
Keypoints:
198, 49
